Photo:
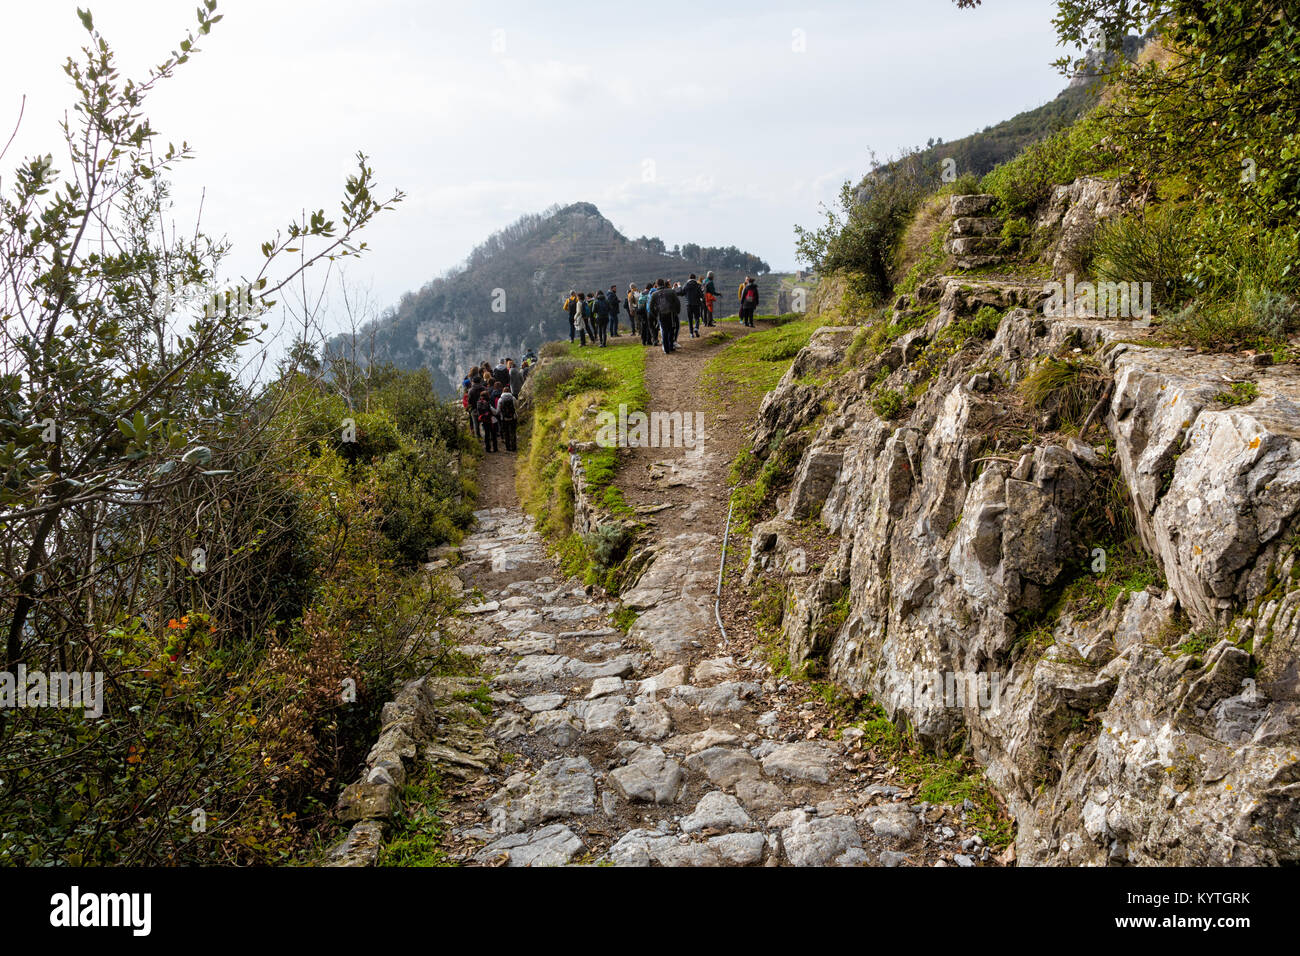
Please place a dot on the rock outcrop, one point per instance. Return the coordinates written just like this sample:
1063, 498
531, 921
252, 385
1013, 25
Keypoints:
1156, 725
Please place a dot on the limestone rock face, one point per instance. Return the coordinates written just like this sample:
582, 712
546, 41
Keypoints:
1072, 217
1158, 726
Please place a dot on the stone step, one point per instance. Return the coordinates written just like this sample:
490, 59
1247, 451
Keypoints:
976, 226
972, 204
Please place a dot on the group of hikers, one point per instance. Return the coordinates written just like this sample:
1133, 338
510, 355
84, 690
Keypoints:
654, 311
490, 395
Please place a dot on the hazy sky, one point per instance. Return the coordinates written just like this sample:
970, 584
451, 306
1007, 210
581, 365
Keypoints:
717, 123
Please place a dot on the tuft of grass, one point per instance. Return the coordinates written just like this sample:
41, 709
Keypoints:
418, 833
623, 618
1238, 393
1067, 386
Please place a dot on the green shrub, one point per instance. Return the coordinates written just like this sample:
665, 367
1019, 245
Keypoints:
863, 237
1257, 320
1155, 245
420, 501
376, 436
608, 544
888, 404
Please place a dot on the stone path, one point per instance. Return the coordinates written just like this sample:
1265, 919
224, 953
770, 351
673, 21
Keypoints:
656, 747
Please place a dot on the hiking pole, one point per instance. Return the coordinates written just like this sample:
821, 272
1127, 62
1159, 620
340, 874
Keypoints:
717, 597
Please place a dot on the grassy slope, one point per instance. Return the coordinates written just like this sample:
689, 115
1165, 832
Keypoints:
605, 378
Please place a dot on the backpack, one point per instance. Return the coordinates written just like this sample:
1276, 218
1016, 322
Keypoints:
506, 407
484, 411
751, 295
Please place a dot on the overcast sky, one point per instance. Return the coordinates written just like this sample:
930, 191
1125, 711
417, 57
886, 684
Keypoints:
718, 123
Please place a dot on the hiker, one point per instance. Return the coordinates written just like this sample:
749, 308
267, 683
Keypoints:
630, 305
600, 316
501, 373
612, 300
652, 286
583, 318
693, 293
516, 376
643, 314
676, 314
664, 305
748, 301
476, 392
571, 307
487, 422
506, 417
469, 409
589, 317
710, 296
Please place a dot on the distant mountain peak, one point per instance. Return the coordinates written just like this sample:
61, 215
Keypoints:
510, 289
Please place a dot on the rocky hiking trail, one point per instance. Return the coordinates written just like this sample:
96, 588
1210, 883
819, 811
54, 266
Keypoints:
659, 746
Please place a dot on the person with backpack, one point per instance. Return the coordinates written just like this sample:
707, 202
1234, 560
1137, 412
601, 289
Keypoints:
710, 296
643, 315
516, 376
506, 418
693, 293
583, 318
501, 374
677, 312
600, 316
471, 402
748, 301
612, 300
487, 422
571, 308
664, 306
589, 317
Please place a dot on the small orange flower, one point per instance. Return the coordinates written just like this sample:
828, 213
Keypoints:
174, 624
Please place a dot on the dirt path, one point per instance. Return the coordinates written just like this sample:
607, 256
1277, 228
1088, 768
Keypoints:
496, 480
691, 482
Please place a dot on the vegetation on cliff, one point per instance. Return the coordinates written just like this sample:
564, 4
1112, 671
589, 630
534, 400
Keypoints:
234, 560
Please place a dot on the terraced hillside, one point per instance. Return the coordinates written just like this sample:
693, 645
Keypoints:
510, 293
